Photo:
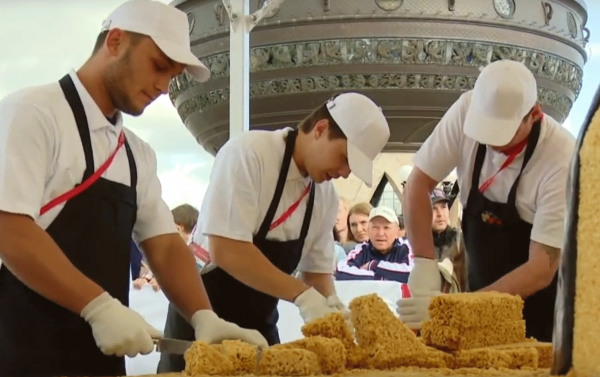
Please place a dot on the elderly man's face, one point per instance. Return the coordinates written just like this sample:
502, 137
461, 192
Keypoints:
382, 233
441, 216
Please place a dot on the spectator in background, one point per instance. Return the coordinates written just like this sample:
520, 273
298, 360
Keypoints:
341, 223
401, 230
383, 257
340, 254
358, 221
185, 217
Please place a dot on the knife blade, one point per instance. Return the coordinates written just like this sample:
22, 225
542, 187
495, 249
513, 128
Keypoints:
173, 346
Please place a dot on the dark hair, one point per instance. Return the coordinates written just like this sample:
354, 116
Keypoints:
101, 38
186, 216
321, 112
401, 221
336, 235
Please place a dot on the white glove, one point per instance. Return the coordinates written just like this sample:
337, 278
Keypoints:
211, 329
424, 283
424, 277
117, 329
314, 305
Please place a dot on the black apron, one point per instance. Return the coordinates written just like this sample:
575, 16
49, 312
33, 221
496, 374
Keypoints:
234, 301
39, 338
493, 249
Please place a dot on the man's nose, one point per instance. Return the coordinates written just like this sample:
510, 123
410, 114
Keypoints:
345, 171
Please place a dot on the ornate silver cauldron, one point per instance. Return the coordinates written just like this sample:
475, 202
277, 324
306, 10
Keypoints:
413, 57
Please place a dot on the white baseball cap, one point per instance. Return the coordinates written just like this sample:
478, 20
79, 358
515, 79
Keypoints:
366, 129
504, 93
385, 212
166, 25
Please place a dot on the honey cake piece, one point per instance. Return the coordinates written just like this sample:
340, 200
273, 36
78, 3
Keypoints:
379, 332
334, 326
330, 351
202, 359
476, 309
522, 357
452, 338
288, 362
481, 358
241, 354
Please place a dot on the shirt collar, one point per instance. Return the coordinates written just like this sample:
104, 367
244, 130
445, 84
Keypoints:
95, 117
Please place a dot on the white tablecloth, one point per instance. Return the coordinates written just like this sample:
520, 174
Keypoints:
153, 307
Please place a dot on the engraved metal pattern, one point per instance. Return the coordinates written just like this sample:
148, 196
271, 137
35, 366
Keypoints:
548, 12
572, 24
271, 14
220, 13
191, 22
389, 5
505, 8
329, 83
392, 51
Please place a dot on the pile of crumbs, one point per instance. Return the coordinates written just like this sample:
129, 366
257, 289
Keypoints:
382, 346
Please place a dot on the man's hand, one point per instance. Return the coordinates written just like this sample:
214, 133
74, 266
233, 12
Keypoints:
139, 283
211, 329
314, 305
117, 329
424, 282
154, 284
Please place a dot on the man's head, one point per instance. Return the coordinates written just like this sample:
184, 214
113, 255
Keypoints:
383, 228
185, 217
441, 212
343, 135
143, 44
503, 106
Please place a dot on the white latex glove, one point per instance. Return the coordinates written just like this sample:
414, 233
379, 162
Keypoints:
211, 329
314, 305
335, 302
117, 329
424, 283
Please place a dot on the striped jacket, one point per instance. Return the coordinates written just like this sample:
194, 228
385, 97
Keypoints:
394, 265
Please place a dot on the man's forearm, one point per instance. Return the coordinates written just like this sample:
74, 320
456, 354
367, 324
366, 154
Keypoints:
321, 282
246, 263
175, 270
416, 203
522, 281
37, 261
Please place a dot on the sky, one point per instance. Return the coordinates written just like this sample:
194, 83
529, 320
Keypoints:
41, 40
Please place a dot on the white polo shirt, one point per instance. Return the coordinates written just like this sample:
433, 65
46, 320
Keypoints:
242, 185
541, 195
41, 157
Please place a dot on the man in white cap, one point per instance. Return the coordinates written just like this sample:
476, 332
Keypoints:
74, 186
512, 162
270, 209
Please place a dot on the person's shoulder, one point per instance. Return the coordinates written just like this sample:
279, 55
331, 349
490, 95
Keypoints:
41, 98
559, 143
139, 147
257, 141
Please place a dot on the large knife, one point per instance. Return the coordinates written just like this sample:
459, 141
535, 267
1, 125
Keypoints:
173, 346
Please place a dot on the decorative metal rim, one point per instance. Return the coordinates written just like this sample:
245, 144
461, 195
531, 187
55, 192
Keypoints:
542, 64
362, 81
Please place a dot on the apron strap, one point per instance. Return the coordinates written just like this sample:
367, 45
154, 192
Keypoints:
308, 213
70, 91
533, 140
285, 166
